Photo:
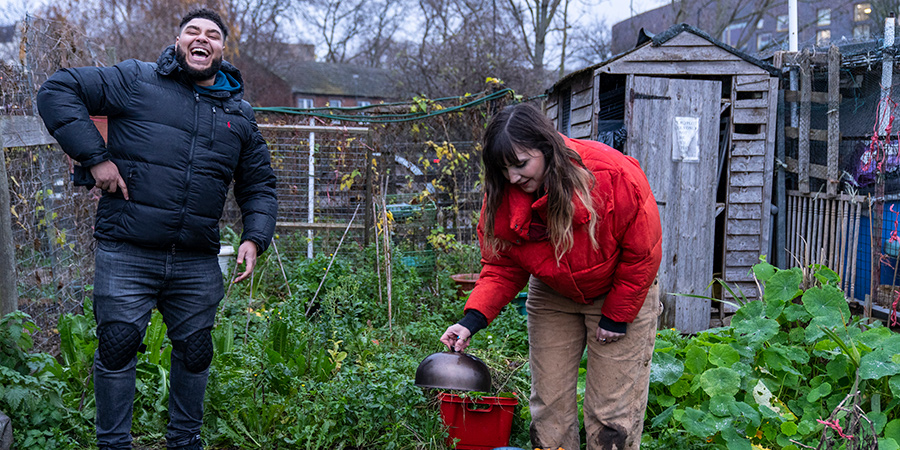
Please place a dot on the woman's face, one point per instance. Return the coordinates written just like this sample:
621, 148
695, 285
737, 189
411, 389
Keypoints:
528, 173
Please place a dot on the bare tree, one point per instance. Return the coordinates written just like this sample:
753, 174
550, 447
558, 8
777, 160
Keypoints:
591, 44
533, 19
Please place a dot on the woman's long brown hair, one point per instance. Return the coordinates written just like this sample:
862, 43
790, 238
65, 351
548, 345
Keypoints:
523, 126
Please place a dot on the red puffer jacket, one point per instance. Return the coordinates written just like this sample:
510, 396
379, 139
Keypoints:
628, 233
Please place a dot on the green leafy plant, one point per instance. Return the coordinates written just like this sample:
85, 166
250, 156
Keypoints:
793, 370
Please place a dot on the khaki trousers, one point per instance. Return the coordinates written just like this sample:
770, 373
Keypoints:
618, 373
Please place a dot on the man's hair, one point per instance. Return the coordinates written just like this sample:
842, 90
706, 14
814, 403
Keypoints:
208, 14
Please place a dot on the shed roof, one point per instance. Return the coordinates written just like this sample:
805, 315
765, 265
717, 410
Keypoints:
660, 39
310, 77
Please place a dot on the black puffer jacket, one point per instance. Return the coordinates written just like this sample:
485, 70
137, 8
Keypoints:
176, 150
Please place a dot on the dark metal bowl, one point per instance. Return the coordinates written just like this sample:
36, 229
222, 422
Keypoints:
453, 370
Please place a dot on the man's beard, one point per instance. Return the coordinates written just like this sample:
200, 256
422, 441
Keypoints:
197, 75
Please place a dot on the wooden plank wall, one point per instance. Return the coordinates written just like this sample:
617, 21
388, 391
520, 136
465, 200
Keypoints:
581, 118
749, 178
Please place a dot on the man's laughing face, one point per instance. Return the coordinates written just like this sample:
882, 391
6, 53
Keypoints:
199, 49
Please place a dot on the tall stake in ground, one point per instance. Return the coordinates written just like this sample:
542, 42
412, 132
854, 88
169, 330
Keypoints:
9, 301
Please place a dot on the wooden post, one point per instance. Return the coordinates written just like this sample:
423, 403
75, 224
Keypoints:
780, 186
9, 300
834, 123
805, 106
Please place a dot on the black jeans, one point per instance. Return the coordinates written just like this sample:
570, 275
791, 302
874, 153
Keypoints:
186, 287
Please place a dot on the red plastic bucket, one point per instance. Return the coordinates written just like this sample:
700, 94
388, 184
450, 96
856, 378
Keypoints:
481, 424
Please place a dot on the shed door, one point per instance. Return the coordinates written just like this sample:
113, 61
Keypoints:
673, 130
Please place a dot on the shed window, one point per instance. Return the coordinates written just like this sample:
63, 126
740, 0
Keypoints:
565, 112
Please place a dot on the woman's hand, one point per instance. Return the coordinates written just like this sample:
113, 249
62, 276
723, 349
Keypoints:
457, 337
608, 337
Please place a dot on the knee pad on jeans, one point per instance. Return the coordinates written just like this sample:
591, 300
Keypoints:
196, 350
119, 343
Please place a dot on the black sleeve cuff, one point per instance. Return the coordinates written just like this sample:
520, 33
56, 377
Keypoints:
474, 321
611, 325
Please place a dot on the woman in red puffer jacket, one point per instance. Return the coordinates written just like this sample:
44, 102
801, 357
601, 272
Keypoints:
576, 221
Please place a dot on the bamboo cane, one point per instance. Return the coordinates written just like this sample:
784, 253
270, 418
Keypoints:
854, 239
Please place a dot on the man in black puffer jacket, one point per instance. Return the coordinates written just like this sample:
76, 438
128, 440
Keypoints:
179, 133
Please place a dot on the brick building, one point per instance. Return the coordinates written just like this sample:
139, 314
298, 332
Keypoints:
754, 29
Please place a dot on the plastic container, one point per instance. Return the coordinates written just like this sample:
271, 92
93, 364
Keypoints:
482, 424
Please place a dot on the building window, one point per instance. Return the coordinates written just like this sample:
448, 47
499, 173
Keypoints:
781, 23
862, 32
823, 38
763, 41
305, 103
823, 17
363, 103
861, 11
733, 32
760, 24
334, 103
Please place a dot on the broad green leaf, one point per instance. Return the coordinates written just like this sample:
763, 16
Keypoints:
723, 355
665, 369
680, 388
695, 359
878, 364
879, 419
720, 381
697, 423
720, 405
826, 275
818, 392
827, 304
794, 312
752, 310
741, 409
894, 383
874, 337
735, 440
757, 331
892, 430
665, 400
888, 444
789, 428
764, 271
783, 286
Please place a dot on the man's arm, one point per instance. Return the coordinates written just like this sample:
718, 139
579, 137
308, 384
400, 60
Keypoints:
70, 96
254, 190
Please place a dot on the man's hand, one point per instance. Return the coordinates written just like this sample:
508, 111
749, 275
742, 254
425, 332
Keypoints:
107, 176
246, 252
608, 337
457, 337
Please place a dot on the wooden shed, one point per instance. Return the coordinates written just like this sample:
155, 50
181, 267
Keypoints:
700, 116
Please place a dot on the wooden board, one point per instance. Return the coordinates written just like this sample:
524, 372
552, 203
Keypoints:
633, 64
687, 40
749, 148
751, 116
686, 204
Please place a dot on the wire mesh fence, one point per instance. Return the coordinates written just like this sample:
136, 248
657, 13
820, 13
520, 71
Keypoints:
868, 172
